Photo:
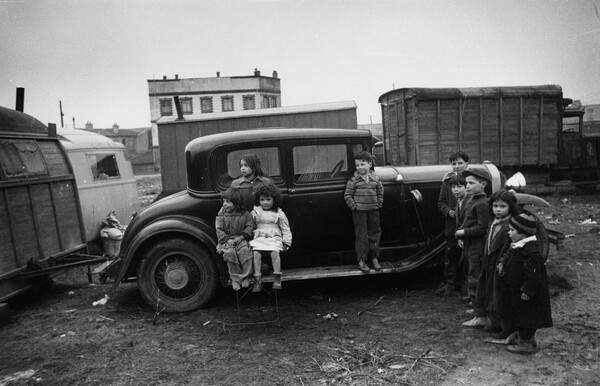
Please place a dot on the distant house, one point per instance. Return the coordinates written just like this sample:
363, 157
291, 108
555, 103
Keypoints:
138, 143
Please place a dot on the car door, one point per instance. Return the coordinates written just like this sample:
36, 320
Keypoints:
316, 176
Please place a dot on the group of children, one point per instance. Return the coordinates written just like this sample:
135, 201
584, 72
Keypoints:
250, 225
494, 244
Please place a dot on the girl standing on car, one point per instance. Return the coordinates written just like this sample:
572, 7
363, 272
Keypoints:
272, 233
251, 180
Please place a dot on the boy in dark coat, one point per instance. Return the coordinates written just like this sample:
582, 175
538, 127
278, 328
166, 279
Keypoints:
447, 204
472, 232
525, 295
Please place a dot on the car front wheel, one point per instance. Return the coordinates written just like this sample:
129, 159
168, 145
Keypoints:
177, 275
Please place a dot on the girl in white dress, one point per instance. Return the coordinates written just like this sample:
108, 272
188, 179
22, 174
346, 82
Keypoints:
272, 233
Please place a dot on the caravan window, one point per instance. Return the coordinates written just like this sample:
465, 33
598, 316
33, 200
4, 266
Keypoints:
21, 158
103, 166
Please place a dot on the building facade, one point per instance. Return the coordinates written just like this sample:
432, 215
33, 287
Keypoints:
211, 95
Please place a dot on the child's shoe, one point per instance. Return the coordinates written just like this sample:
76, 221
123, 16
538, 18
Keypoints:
245, 283
363, 267
235, 285
257, 287
277, 282
477, 322
525, 347
376, 264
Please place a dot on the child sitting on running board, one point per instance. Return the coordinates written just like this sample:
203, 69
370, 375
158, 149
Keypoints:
234, 226
272, 234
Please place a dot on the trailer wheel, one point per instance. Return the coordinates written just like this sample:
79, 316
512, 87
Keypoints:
177, 275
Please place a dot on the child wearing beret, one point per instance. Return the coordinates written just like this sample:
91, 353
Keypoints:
525, 295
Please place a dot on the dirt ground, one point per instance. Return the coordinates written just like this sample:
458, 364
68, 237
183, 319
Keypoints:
359, 331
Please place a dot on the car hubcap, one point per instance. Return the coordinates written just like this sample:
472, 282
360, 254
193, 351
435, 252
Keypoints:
177, 277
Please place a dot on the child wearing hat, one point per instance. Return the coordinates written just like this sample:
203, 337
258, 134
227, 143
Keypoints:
472, 233
525, 295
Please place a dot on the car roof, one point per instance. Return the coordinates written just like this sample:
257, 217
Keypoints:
273, 133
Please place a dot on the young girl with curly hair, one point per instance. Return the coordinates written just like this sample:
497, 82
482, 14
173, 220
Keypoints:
272, 233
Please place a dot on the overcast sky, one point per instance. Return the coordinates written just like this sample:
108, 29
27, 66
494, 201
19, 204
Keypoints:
96, 56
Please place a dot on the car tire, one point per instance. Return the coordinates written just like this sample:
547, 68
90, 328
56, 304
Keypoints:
177, 275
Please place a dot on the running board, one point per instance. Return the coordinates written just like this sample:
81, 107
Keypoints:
338, 271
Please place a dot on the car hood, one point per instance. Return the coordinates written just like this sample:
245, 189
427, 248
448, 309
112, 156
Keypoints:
412, 174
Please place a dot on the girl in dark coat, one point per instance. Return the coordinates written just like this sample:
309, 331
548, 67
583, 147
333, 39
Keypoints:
503, 205
525, 295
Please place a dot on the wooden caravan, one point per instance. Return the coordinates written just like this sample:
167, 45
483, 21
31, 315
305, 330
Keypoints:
41, 229
508, 126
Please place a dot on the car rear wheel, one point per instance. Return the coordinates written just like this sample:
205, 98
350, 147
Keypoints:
177, 275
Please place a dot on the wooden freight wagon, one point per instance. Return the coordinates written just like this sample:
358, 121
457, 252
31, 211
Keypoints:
41, 227
509, 126
174, 133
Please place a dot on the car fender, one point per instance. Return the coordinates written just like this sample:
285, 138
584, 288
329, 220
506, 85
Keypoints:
186, 225
530, 199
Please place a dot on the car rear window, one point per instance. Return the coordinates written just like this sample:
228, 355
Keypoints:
228, 164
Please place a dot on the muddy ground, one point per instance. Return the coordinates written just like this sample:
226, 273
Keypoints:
358, 331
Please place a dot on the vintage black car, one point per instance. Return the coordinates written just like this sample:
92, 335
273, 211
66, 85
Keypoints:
170, 247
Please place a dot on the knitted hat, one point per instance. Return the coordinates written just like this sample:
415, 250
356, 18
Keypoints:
524, 223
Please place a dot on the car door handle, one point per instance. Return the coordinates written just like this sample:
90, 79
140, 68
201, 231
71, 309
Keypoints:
292, 191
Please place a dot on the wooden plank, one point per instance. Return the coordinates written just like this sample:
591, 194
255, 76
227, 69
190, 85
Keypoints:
438, 128
520, 131
541, 131
36, 224
48, 238
501, 131
481, 132
9, 253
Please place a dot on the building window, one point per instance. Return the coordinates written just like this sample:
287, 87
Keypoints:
166, 107
186, 106
227, 103
269, 101
206, 105
103, 166
249, 102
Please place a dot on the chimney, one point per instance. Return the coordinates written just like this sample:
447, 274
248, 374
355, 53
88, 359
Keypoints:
218, 74
164, 77
176, 76
115, 128
89, 125
274, 74
20, 99
256, 72
178, 107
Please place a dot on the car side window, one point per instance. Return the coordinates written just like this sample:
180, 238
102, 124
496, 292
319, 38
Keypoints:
323, 162
228, 164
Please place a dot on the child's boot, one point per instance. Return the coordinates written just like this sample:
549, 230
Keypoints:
525, 346
376, 264
277, 282
235, 285
257, 287
363, 267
